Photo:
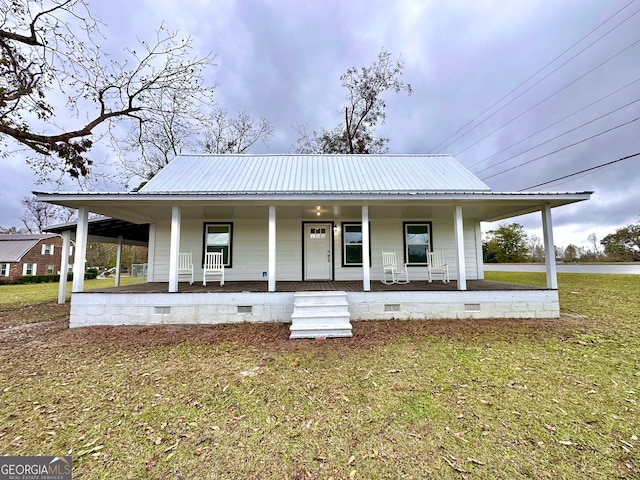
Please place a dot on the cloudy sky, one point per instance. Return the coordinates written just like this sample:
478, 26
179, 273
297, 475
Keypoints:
521, 92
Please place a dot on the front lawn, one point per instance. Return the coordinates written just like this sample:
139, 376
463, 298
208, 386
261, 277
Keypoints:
435, 399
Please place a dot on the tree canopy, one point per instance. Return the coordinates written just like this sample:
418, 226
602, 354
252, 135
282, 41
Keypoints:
624, 244
363, 111
49, 46
506, 244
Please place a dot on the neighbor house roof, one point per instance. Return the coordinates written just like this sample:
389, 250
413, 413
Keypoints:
249, 174
14, 247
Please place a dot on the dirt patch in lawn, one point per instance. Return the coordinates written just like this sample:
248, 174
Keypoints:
275, 336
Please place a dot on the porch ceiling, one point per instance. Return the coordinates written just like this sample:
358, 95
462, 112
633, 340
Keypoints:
487, 206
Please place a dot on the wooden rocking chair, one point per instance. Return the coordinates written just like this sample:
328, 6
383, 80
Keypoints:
390, 267
185, 265
436, 264
213, 265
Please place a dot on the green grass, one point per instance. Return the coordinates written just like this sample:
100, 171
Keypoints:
541, 400
35, 293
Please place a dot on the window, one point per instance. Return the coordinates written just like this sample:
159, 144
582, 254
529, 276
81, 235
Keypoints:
49, 269
417, 242
47, 249
218, 238
4, 269
29, 269
352, 244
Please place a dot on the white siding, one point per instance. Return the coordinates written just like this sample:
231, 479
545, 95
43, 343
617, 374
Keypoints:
250, 247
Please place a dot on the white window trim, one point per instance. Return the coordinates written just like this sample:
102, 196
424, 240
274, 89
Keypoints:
7, 267
34, 269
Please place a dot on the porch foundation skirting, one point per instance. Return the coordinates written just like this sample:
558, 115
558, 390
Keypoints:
101, 308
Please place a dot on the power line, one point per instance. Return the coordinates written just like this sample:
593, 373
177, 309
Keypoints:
602, 165
558, 136
552, 95
560, 149
532, 76
554, 123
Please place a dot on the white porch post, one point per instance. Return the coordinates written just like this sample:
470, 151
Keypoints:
549, 249
479, 256
366, 267
118, 260
151, 252
459, 237
64, 266
272, 249
81, 250
174, 248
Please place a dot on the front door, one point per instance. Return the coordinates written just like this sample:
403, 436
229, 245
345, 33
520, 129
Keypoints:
317, 251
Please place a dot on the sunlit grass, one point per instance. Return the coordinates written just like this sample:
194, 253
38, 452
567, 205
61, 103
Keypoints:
34, 293
558, 401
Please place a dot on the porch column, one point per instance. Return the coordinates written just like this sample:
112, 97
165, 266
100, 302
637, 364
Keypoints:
64, 266
118, 260
459, 238
151, 252
272, 249
479, 256
549, 249
366, 274
174, 248
81, 250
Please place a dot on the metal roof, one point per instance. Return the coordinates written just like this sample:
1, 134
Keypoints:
288, 174
14, 247
107, 230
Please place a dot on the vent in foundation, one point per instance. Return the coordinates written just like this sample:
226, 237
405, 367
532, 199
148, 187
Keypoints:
161, 310
245, 308
391, 307
471, 307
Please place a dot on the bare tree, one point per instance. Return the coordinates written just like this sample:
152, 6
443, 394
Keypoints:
37, 215
364, 110
593, 239
226, 134
48, 45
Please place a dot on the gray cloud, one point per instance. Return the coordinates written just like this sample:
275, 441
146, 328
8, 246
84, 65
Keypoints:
281, 60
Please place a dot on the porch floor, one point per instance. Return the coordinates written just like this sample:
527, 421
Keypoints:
285, 286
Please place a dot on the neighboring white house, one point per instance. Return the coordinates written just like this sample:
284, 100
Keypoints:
312, 218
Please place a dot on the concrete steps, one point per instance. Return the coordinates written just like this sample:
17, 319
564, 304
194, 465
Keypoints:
320, 315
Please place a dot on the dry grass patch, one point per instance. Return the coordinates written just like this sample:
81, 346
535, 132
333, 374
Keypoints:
455, 399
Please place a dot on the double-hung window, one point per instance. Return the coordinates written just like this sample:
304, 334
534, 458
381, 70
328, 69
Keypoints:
417, 242
4, 269
218, 237
47, 249
29, 269
352, 245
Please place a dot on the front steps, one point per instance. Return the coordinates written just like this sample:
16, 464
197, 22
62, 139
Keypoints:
320, 315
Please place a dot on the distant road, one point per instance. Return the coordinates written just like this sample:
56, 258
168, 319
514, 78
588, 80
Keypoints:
632, 269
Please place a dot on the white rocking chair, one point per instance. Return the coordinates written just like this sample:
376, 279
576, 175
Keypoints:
213, 265
185, 265
436, 264
390, 267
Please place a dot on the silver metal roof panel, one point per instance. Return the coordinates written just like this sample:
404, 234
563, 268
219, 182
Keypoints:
300, 174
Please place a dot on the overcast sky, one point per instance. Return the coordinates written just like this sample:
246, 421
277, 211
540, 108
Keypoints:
282, 60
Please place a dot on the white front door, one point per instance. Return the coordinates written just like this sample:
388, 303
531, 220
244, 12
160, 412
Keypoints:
317, 251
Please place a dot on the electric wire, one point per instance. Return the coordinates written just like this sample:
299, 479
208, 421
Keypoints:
561, 149
554, 123
553, 94
532, 76
558, 136
602, 165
